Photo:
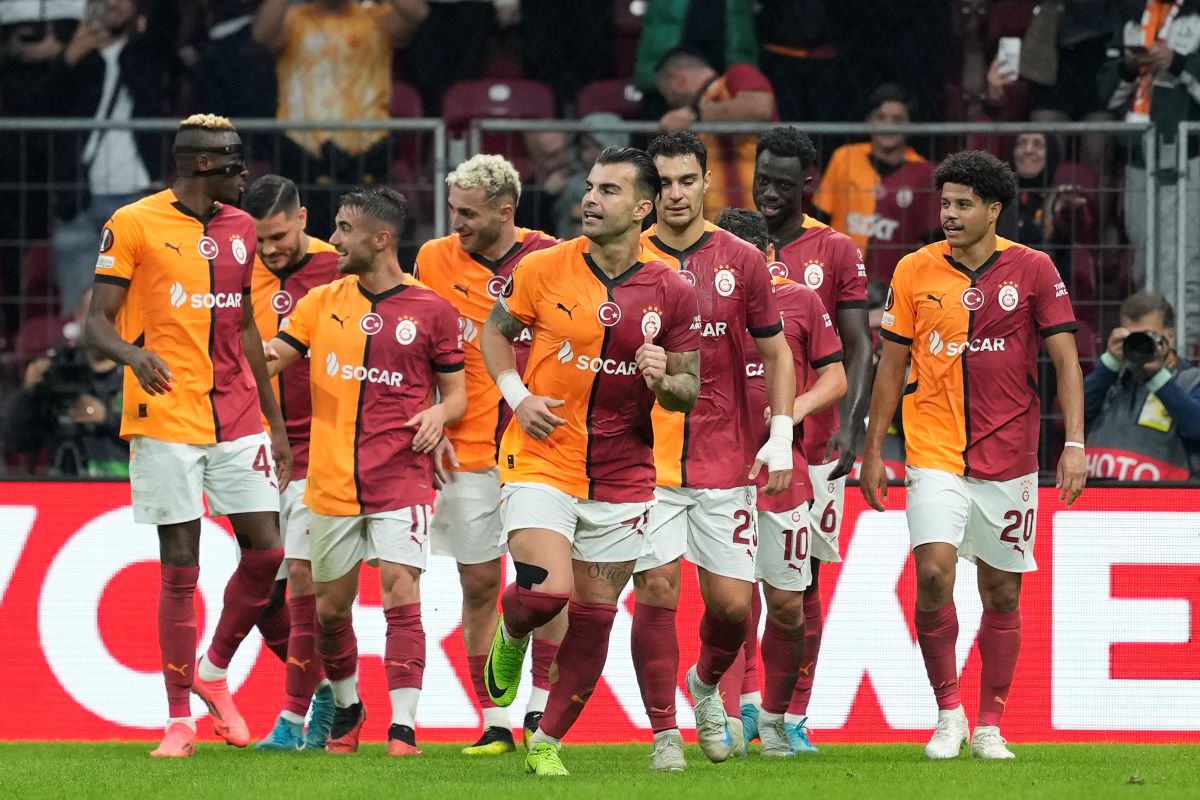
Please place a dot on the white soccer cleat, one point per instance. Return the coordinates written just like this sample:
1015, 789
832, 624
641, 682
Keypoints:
668, 753
737, 732
773, 735
988, 743
712, 725
949, 736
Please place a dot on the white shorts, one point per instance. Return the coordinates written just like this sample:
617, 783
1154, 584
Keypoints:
340, 544
829, 497
990, 521
466, 518
784, 546
717, 529
169, 481
604, 533
294, 521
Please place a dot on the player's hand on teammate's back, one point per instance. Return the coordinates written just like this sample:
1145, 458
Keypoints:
281, 452
872, 481
443, 453
429, 424
151, 371
535, 415
843, 442
1072, 474
651, 361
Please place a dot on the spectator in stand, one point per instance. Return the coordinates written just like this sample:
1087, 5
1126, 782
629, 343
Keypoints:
800, 57
334, 62
461, 27
881, 193
721, 32
236, 74
1052, 217
549, 171
603, 132
695, 92
1142, 404
1159, 74
111, 70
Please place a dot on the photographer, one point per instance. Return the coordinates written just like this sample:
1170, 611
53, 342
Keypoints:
1142, 404
69, 407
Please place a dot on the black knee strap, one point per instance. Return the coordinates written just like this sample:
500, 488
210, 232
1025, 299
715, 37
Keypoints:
528, 574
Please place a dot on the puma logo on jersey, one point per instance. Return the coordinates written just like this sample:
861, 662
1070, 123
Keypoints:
174, 247
341, 322
568, 311
462, 289
937, 300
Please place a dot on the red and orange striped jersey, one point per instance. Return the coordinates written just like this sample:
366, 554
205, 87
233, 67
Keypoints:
814, 343
275, 295
831, 265
712, 446
971, 406
374, 361
187, 277
471, 283
587, 328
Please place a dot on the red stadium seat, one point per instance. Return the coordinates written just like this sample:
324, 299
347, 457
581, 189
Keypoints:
617, 96
496, 99
406, 102
628, 16
39, 292
36, 336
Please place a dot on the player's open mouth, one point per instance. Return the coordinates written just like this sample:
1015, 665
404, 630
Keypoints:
590, 216
770, 211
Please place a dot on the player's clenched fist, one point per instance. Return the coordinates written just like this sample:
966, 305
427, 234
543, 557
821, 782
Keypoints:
651, 361
151, 371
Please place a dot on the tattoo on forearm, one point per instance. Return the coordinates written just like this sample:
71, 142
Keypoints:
506, 323
684, 384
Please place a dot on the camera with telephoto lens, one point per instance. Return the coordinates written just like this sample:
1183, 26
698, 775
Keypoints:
68, 377
1140, 347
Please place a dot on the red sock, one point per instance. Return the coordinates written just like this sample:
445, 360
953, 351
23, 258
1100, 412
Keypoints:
999, 644
275, 625
730, 685
750, 683
303, 671
246, 595
937, 633
527, 609
338, 647
544, 652
475, 666
814, 625
581, 659
404, 651
782, 653
655, 649
177, 635
720, 643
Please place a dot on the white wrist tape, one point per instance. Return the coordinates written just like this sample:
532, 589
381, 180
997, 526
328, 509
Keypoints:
513, 388
777, 452
1073, 444
782, 426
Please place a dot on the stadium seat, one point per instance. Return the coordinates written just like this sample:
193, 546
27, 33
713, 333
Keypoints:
615, 96
495, 99
628, 16
36, 336
39, 292
1006, 18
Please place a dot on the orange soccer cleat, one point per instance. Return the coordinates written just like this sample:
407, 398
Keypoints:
347, 725
402, 741
227, 722
178, 742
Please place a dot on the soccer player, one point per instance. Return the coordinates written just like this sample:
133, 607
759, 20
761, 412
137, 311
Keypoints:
382, 343
179, 263
705, 459
827, 262
969, 312
469, 268
290, 263
782, 563
613, 330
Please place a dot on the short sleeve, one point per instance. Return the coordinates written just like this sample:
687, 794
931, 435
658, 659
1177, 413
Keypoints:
851, 274
120, 244
681, 328
899, 313
745, 78
446, 351
519, 296
831, 182
421, 266
251, 243
823, 345
297, 329
1052, 310
762, 312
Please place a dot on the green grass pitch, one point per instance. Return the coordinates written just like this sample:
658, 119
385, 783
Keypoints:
1061, 772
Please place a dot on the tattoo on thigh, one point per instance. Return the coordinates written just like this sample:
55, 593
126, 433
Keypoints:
615, 575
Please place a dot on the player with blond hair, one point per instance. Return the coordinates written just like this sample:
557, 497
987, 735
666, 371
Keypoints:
468, 268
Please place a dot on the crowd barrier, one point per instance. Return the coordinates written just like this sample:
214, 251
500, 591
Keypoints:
1110, 650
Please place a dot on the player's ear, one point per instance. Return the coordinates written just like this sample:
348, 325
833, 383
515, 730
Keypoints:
707, 180
643, 209
302, 217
